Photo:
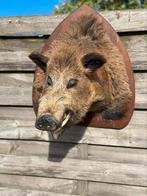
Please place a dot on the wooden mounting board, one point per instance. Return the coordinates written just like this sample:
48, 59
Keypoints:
93, 119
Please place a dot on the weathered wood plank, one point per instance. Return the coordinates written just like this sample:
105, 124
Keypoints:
66, 186
102, 189
39, 148
14, 52
122, 21
18, 123
130, 174
141, 90
20, 192
56, 150
118, 155
38, 184
16, 89
137, 49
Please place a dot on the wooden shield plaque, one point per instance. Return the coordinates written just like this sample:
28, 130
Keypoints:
93, 119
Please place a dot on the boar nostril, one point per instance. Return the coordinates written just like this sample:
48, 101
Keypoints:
47, 123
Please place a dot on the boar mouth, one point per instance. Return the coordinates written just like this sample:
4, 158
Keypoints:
60, 130
67, 118
47, 122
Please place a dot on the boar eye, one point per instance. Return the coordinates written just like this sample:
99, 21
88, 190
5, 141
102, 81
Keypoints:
49, 81
71, 83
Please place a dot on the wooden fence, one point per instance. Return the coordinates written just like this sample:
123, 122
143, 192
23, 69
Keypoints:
84, 161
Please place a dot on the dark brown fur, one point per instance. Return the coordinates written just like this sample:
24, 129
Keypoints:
105, 90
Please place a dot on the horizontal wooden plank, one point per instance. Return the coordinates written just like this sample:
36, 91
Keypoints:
129, 174
14, 52
61, 150
137, 49
38, 184
141, 90
39, 148
16, 89
101, 189
18, 123
122, 21
59, 186
19, 192
118, 155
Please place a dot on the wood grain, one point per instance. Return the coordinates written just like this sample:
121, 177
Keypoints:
94, 152
16, 89
58, 186
101, 189
129, 174
40, 148
14, 52
38, 184
19, 192
122, 21
18, 123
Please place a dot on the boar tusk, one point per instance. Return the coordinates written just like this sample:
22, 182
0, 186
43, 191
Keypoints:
58, 132
65, 120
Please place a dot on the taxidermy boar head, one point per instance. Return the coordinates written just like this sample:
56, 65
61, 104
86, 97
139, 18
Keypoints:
81, 71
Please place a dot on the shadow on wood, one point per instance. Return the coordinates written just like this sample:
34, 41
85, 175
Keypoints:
53, 154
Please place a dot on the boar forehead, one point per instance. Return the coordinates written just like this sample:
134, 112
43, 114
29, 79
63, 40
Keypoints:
69, 54
64, 61
60, 62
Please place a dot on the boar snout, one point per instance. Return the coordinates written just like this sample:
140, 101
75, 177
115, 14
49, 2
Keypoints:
47, 123
54, 124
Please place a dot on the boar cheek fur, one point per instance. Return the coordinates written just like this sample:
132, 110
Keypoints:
82, 37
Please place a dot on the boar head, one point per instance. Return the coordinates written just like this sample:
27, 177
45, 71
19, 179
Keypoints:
82, 71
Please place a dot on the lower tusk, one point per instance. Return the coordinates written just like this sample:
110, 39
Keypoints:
65, 120
58, 132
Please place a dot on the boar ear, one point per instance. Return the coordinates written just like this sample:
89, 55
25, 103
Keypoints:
39, 59
93, 61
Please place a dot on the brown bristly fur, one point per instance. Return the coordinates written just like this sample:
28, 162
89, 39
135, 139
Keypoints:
106, 90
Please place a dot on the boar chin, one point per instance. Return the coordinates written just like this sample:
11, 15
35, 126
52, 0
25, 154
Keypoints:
59, 131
